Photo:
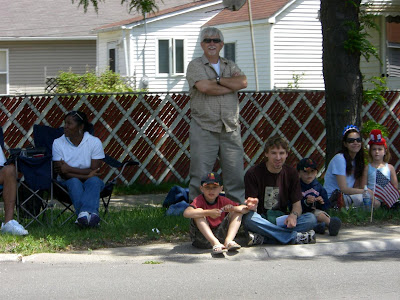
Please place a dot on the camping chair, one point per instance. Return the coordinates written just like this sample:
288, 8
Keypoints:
44, 137
35, 187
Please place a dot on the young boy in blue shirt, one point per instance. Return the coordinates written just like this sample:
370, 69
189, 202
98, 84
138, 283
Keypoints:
315, 198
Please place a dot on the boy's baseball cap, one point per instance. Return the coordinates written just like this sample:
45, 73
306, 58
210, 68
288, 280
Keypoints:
306, 164
211, 178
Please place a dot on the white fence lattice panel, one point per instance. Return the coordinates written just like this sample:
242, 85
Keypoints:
153, 128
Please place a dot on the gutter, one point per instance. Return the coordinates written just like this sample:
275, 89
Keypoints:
43, 38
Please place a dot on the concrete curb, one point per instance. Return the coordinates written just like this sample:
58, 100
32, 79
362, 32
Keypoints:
184, 252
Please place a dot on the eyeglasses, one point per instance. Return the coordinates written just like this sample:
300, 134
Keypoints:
216, 41
352, 140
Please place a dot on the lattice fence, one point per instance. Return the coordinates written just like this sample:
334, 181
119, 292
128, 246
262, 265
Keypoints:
153, 128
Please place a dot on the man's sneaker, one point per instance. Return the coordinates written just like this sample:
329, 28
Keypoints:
255, 239
320, 228
83, 219
306, 237
94, 220
334, 226
13, 227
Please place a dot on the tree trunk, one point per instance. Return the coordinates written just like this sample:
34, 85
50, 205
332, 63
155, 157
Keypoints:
341, 69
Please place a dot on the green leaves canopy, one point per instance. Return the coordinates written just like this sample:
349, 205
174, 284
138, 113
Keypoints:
141, 6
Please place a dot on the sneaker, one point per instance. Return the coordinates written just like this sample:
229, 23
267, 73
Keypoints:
320, 228
94, 220
13, 227
306, 237
83, 219
334, 226
255, 239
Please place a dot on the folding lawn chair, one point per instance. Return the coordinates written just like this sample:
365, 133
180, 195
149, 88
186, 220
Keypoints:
35, 187
44, 137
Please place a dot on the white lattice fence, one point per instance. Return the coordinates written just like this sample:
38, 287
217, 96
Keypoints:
153, 128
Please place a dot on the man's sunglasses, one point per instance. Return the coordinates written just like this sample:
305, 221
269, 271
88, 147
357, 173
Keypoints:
352, 140
216, 41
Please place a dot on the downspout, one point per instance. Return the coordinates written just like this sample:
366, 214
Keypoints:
145, 80
253, 44
126, 53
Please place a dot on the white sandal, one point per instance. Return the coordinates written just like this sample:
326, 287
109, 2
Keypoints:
219, 248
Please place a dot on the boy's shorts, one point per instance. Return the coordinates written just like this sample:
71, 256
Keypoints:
198, 239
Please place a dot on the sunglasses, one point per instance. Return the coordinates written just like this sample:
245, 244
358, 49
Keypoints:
352, 140
216, 41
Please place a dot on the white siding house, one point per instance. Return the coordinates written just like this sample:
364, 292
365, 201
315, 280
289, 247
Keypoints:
287, 34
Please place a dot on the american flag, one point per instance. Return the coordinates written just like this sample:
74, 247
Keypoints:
384, 190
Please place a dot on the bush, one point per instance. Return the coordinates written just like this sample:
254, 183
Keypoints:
107, 82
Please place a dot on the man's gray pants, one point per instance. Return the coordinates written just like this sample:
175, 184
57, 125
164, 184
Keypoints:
205, 147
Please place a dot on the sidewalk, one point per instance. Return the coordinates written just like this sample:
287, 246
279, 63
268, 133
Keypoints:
350, 240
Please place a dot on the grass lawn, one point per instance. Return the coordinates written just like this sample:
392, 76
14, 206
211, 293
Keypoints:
130, 226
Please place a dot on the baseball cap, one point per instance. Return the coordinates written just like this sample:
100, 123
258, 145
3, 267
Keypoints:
211, 178
306, 164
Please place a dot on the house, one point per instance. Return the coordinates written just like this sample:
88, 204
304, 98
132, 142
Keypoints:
287, 38
38, 39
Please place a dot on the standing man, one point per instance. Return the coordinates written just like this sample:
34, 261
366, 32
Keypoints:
214, 128
273, 190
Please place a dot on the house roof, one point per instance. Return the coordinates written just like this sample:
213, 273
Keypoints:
182, 5
60, 19
260, 9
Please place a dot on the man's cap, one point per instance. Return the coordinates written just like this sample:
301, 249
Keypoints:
306, 164
211, 178
376, 138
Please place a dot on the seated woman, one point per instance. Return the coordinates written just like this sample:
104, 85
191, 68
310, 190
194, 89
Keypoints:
345, 170
77, 157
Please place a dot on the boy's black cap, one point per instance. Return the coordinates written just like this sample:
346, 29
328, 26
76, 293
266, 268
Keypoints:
306, 164
211, 178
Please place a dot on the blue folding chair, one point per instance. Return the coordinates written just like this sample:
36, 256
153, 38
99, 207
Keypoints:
44, 136
34, 195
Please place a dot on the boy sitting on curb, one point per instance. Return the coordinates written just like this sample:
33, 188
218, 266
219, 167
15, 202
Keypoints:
214, 217
315, 198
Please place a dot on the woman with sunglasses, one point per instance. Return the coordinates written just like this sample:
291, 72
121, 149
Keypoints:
345, 170
77, 157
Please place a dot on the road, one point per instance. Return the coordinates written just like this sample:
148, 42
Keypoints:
373, 275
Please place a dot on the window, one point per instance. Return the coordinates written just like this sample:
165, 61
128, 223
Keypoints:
393, 49
171, 56
112, 57
230, 51
3, 71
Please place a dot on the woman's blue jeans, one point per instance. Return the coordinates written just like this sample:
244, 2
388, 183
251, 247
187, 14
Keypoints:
255, 223
85, 196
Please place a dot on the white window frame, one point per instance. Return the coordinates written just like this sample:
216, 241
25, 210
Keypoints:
172, 57
6, 72
113, 45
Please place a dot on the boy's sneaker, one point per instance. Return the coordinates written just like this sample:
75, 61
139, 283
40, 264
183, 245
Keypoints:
13, 227
94, 220
334, 226
306, 237
320, 228
255, 239
83, 219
